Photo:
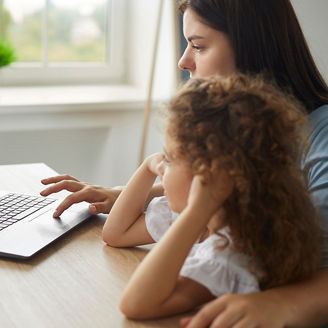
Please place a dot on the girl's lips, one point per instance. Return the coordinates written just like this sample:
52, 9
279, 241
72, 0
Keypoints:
164, 192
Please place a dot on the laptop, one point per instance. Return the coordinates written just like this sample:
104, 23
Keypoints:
27, 224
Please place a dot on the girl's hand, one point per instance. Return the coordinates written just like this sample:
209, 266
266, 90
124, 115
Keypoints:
242, 311
154, 163
208, 196
101, 199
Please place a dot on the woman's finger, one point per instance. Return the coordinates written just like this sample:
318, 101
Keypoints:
185, 321
245, 323
207, 314
227, 319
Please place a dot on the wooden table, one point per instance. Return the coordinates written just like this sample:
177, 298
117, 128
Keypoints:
75, 282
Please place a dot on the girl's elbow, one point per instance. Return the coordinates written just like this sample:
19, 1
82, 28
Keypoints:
134, 309
130, 310
109, 239
105, 237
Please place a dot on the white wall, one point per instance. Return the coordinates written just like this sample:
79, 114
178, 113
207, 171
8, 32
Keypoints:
312, 15
99, 147
143, 16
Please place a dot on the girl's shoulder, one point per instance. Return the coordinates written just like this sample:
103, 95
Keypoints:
215, 264
218, 247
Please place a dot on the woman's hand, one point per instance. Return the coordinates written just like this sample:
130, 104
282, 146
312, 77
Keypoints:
263, 309
101, 199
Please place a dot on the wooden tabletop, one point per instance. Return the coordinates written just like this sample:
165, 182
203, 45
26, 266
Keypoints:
75, 282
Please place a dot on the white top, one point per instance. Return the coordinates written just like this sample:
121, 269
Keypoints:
220, 271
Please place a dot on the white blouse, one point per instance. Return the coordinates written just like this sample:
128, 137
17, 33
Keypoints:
221, 271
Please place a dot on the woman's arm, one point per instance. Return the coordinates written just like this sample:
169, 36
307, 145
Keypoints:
303, 304
125, 225
155, 289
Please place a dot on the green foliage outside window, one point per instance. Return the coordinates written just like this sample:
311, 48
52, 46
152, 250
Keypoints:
63, 44
7, 54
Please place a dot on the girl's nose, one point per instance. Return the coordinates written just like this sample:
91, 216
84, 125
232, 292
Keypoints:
186, 62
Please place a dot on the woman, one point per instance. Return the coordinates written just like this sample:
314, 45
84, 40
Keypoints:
250, 36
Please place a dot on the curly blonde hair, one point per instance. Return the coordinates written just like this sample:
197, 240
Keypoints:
254, 132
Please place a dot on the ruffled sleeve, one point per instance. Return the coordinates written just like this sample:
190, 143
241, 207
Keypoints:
220, 271
159, 217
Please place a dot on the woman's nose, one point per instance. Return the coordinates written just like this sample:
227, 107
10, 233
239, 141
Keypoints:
186, 62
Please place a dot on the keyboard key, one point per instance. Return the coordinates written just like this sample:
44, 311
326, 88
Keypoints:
15, 207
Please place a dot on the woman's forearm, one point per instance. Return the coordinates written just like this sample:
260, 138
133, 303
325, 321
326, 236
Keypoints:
307, 301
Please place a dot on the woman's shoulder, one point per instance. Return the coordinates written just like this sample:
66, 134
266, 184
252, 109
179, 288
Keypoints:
319, 120
320, 111
318, 135
315, 164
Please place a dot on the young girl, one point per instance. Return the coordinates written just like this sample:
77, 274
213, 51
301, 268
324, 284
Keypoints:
236, 216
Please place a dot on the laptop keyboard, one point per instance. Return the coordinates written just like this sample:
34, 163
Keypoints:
15, 207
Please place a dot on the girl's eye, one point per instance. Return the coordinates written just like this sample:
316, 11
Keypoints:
198, 48
166, 161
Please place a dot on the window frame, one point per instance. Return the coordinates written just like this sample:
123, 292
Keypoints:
113, 71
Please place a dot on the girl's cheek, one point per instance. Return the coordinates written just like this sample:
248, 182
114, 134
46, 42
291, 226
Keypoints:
164, 179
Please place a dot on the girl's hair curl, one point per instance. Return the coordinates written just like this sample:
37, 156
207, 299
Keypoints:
254, 132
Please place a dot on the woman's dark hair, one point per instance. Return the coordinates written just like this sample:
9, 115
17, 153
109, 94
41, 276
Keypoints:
267, 38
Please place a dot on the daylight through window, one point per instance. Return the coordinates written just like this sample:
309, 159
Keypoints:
61, 33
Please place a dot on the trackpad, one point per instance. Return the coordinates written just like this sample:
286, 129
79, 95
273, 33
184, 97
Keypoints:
50, 226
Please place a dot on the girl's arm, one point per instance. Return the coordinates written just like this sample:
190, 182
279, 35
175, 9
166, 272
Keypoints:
156, 289
155, 191
125, 225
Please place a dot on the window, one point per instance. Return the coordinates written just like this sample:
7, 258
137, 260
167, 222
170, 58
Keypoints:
64, 42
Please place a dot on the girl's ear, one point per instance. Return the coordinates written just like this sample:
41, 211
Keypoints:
203, 171
204, 178
215, 165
